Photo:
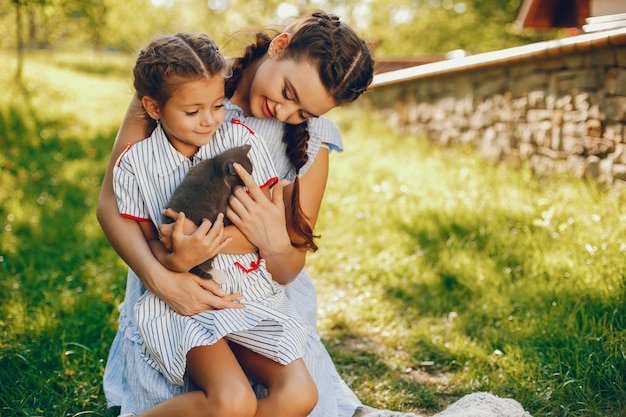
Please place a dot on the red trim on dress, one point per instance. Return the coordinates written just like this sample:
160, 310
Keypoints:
139, 219
254, 265
239, 122
270, 183
119, 158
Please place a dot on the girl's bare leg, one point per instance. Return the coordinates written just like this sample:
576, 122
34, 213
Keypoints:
224, 388
291, 390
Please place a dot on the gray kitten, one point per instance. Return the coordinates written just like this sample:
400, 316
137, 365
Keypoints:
205, 190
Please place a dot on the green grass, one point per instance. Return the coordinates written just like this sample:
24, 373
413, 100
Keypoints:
440, 267
438, 275
60, 280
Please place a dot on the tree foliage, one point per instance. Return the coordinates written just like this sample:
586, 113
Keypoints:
435, 27
401, 27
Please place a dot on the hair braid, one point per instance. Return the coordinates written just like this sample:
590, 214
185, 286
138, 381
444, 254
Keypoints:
296, 137
343, 59
346, 69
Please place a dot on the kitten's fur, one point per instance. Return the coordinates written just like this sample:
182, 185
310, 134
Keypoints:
205, 190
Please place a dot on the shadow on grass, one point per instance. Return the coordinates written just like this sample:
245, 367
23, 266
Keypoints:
561, 347
363, 367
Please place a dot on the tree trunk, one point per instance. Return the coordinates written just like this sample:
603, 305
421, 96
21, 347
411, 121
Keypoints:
19, 40
32, 29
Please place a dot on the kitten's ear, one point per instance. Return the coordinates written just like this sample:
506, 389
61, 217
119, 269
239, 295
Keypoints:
246, 148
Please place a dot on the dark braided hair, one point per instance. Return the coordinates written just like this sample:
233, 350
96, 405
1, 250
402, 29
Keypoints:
346, 69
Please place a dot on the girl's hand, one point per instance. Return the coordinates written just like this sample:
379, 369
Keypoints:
187, 294
167, 229
190, 245
260, 220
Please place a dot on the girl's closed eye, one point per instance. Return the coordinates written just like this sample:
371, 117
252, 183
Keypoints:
301, 113
285, 95
191, 113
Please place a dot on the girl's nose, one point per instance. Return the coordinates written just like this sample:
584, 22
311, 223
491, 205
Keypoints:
207, 118
285, 110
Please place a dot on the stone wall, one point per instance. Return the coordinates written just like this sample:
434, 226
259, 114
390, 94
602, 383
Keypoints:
559, 106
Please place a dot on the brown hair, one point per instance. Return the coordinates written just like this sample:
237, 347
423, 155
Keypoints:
170, 60
346, 69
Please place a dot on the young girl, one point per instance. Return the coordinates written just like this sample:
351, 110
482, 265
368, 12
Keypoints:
180, 82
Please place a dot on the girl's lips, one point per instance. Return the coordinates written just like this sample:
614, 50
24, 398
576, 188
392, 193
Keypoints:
266, 110
208, 132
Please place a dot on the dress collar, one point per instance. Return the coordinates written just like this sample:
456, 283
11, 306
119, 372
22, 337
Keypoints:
228, 105
169, 159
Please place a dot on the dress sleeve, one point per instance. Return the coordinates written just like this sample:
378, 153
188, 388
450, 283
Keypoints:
322, 130
127, 193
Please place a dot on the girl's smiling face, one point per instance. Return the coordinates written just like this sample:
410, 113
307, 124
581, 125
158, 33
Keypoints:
193, 113
288, 90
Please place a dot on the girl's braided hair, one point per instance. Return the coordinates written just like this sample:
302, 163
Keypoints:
346, 69
171, 60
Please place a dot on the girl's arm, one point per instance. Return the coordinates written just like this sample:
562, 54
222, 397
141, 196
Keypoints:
185, 293
265, 224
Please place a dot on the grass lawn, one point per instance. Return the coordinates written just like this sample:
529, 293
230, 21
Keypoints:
438, 274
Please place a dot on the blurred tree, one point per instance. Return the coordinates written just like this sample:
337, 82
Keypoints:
19, 40
435, 27
45, 23
24, 10
403, 27
132, 23
91, 19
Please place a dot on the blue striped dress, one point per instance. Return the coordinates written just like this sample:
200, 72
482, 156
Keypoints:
131, 383
144, 180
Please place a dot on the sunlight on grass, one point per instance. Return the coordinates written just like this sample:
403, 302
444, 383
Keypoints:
61, 282
63, 84
485, 274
